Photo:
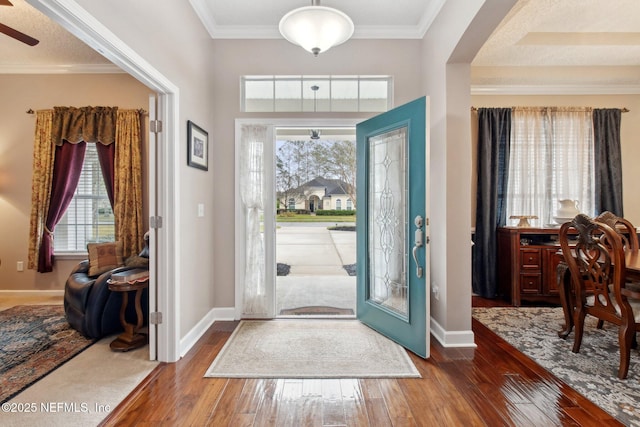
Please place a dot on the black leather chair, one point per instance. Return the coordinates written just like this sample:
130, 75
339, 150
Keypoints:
91, 308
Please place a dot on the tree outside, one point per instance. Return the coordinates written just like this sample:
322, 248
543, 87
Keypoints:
301, 162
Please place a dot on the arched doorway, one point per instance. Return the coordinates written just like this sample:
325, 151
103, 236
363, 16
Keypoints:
314, 203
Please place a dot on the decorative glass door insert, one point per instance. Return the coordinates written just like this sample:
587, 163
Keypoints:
387, 227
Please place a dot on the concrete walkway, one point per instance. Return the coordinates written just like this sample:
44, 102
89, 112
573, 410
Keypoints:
317, 277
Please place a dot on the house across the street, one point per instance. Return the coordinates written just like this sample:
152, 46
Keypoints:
319, 194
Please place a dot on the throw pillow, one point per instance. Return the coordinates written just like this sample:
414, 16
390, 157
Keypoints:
104, 257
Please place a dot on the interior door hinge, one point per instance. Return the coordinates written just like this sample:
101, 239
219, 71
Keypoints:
155, 126
155, 318
155, 222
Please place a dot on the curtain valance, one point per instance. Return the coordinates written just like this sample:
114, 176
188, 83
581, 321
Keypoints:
88, 124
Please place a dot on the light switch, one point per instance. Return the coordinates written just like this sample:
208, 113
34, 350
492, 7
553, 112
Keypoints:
200, 209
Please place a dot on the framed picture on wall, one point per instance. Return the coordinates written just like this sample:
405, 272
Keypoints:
197, 146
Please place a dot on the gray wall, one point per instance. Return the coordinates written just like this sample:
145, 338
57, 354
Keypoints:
235, 58
172, 39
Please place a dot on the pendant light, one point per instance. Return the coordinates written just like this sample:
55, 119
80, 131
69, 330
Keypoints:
316, 28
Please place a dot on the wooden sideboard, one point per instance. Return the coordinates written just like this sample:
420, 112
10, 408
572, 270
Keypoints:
527, 261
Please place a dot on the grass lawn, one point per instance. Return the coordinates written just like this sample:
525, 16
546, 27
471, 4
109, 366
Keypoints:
314, 218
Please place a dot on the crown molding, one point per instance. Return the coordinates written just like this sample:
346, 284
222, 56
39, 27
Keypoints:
270, 32
61, 69
430, 14
584, 89
206, 15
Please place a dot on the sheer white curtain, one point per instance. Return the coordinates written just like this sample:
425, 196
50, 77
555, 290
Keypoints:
252, 192
551, 158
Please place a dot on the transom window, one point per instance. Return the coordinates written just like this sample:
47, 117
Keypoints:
89, 218
316, 93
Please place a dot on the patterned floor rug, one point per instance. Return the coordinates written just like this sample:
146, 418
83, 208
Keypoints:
310, 349
34, 340
592, 372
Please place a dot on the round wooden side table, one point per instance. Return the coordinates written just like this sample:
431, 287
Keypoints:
130, 339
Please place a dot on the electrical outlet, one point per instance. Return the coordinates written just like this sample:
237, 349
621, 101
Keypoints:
200, 209
20, 265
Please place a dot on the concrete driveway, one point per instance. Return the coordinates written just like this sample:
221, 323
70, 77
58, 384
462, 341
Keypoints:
316, 256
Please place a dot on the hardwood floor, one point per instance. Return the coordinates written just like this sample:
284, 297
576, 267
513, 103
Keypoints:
493, 385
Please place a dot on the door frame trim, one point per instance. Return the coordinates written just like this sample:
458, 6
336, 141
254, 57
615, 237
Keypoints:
240, 247
92, 32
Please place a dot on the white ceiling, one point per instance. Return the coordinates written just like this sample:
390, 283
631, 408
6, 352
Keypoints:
566, 33
57, 51
552, 33
249, 19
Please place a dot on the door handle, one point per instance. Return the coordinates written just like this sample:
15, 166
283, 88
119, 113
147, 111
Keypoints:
418, 243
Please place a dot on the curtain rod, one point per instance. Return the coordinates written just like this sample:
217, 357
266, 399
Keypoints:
140, 110
624, 109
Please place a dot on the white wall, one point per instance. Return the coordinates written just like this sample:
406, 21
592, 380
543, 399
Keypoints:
172, 39
234, 58
207, 73
418, 68
449, 47
202, 69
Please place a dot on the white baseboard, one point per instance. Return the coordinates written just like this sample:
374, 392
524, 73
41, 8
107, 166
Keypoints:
453, 338
192, 337
447, 339
32, 293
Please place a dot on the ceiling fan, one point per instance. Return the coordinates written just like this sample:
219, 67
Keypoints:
15, 33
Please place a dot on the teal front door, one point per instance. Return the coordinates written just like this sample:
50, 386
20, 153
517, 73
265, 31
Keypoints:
392, 225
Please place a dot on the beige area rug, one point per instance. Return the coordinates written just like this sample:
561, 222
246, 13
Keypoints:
310, 349
83, 391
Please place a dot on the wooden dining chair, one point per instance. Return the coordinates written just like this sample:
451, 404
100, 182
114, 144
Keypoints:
625, 229
597, 266
629, 237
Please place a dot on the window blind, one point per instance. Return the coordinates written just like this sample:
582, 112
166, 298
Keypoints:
89, 217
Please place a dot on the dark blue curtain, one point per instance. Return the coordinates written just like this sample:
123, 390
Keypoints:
494, 132
608, 160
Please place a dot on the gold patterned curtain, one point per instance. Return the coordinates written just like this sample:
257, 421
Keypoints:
128, 181
104, 125
43, 158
